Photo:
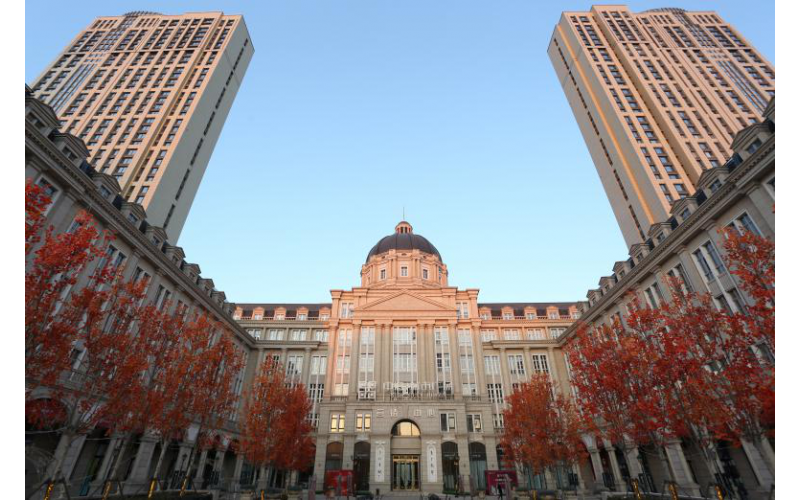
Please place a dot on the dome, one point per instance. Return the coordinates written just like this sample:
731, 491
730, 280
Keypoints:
404, 239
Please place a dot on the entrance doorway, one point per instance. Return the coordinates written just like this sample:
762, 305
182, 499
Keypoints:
450, 467
405, 472
361, 466
477, 464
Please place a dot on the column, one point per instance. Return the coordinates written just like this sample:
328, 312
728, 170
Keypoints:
477, 351
677, 462
597, 467
304, 376
237, 472
141, 463
504, 373
201, 464
768, 453
632, 459
619, 482
759, 465
71, 457
355, 354
455, 358
117, 440
181, 462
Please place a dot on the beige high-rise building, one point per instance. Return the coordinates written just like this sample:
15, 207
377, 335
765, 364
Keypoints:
148, 94
658, 96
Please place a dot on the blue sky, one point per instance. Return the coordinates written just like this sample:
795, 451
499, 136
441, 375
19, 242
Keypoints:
352, 110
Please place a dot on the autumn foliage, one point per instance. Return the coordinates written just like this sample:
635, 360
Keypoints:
98, 354
275, 430
686, 368
542, 427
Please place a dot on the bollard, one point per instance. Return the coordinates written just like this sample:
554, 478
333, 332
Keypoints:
673, 491
49, 490
152, 488
636, 491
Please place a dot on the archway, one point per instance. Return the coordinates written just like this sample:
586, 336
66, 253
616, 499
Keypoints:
450, 467
406, 450
361, 465
333, 456
477, 464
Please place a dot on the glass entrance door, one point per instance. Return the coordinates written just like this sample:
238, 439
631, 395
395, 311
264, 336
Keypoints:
405, 472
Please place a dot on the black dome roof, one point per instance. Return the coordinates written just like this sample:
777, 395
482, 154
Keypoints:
404, 239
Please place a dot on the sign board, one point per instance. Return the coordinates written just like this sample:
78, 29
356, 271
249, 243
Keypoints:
340, 480
504, 479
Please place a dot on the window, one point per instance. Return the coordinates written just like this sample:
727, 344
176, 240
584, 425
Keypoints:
275, 334
383, 274
474, 423
744, 223
511, 334
495, 393
516, 364
337, 422
321, 335
497, 419
488, 335
508, 316
404, 271
462, 310
424, 274
535, 334
298, 335
347, 310
49, 189
448, 421
540, 364
363, 422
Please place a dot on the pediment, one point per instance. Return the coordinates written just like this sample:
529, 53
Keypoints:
405, 301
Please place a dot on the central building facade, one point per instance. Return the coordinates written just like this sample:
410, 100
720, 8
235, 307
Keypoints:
409, 375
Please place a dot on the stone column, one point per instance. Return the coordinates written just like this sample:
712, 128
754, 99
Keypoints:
141, 463
597, 467
759, 465
117, 440
677, 462
632, 458
236, 480
355, 350
201, 463
480, 369
71, 457
455, 359
505, 377
619, 482
304, 376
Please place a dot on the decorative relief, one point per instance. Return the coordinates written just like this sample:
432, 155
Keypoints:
431, 461
380, 455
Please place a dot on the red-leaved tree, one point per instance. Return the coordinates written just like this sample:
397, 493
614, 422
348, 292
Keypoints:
542, 427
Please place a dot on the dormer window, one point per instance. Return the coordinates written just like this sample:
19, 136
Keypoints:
715, 186
404, 271
508, 316
324, 316
279, 316
133, 218
301, 317
530, 315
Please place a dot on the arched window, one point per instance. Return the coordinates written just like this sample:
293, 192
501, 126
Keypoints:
405, 428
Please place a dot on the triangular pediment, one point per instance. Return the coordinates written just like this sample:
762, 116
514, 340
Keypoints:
404, 301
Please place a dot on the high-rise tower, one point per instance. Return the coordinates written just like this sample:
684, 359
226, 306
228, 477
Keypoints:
149, 94
658, 96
